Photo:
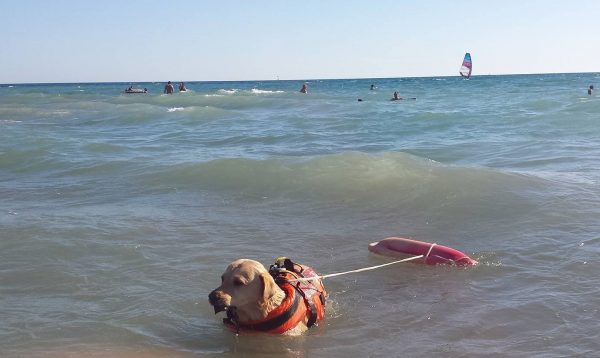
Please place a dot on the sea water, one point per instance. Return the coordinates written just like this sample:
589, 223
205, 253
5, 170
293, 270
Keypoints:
119, 212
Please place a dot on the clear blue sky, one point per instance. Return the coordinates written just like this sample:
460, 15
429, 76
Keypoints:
135, 40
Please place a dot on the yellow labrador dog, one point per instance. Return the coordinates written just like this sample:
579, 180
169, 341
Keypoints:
255, 299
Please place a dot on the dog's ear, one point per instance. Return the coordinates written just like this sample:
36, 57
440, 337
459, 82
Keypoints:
268, 285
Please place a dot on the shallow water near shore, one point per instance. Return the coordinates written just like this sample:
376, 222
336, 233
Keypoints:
119, 213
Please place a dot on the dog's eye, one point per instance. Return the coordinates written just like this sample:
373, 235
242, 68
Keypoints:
238, 282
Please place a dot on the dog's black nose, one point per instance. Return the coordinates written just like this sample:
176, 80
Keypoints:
212, 297
216, 301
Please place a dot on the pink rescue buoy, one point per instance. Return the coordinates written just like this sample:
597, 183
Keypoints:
433, 254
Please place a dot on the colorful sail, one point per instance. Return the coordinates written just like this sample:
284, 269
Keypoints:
467, 66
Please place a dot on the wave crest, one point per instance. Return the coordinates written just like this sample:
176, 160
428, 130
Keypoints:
349, 177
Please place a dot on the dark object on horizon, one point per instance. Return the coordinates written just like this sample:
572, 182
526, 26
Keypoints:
360, 100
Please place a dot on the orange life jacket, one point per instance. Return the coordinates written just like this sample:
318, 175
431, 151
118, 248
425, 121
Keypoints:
302, 300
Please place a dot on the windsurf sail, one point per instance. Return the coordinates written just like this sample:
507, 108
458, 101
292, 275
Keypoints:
467, 66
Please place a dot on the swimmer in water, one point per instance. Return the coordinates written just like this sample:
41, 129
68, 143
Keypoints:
304, 88
168, 88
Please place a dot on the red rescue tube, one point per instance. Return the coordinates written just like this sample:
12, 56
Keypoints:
433, 254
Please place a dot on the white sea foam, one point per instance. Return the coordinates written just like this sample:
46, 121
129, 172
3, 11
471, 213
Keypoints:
259, 91
175, 109
228, 91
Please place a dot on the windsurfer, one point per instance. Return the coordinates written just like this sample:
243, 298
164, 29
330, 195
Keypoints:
467, 66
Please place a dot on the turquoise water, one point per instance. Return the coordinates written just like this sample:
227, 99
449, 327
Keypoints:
119, 213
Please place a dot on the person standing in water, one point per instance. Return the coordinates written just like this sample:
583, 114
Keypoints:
182, 87
168, 88
304, 88
396, 96
590, 90
372, 87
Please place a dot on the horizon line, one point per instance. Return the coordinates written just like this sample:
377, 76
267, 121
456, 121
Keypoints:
300, 79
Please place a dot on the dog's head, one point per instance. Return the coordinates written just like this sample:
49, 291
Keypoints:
246, 286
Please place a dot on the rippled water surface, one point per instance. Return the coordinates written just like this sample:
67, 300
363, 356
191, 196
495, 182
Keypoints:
118, 214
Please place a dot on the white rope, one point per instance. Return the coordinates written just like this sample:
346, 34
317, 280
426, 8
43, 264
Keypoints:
305, 279
428, 252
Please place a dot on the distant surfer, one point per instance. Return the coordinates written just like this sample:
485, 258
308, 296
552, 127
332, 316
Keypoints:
304, 88
168, 88
396, 96
182, 87
590, 90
